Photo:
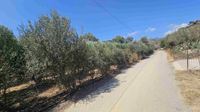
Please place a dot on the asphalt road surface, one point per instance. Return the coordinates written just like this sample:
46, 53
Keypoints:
148, 86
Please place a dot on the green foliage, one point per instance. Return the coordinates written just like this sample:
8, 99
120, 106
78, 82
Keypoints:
50, 50
162, 43
119, 39
144, 40
189, 34
11, 61
50, 44
88, 37
129, 39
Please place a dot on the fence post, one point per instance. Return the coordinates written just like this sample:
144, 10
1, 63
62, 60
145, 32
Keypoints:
187, 60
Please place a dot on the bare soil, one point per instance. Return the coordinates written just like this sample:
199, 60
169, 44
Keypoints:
189, 83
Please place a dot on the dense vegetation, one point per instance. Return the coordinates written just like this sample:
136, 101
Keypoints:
189, 35
184, 41
50, 50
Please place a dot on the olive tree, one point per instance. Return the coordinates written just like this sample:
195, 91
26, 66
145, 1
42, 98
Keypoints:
50, 43
12, 63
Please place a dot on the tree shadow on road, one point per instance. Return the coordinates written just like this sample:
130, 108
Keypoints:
90, 92
104, 85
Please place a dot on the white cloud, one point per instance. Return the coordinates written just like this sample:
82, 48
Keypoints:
132, 33
150, 29
175, 27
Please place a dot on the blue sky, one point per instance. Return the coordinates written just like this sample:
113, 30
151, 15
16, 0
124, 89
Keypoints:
138, 18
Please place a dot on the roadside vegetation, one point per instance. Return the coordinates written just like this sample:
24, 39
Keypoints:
50, 54
184, 41
184, 45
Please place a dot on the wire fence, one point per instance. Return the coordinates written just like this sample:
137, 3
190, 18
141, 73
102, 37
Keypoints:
190, 57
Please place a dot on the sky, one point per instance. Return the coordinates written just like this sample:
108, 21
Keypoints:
106, 18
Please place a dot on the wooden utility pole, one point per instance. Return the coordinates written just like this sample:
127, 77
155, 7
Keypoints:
187, 60
187, 40
187, 47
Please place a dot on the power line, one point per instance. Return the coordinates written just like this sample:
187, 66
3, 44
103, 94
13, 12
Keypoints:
113, 16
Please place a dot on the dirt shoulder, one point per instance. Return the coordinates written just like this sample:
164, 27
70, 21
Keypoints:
189, 83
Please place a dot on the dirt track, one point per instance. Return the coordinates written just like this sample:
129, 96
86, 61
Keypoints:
148, 86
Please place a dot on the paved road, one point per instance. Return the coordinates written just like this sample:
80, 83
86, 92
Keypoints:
148, 86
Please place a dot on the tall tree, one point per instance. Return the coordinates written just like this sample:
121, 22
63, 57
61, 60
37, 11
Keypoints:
12, 63
49, 43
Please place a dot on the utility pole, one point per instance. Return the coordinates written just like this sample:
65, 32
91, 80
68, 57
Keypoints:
187, 47
187, 40
187, 60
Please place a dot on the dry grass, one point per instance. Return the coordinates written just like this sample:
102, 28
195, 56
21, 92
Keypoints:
189, 83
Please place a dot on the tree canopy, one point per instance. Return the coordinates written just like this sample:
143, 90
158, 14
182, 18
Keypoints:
89, 37
12, 62
119, 39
